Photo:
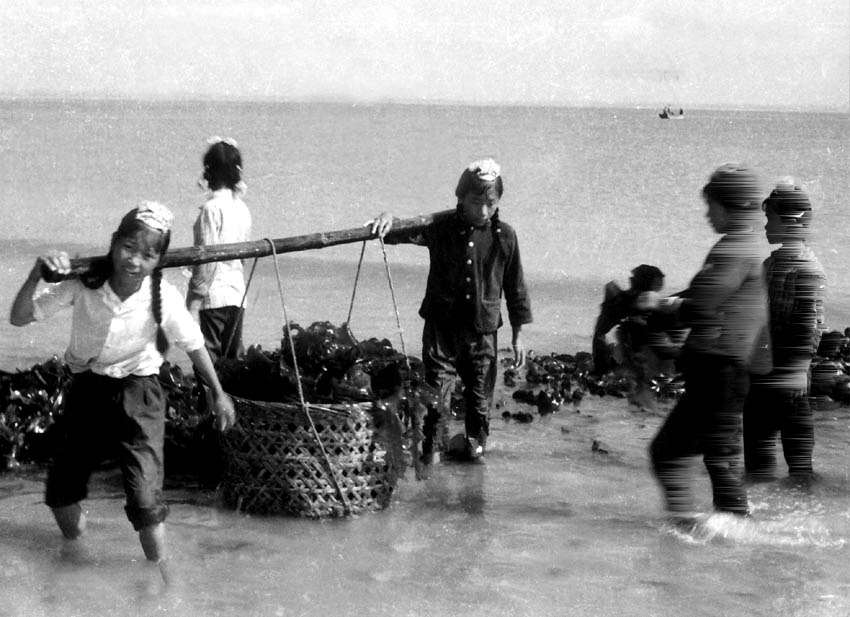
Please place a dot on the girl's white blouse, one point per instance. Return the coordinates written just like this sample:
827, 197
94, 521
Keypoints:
116, 338
223, 219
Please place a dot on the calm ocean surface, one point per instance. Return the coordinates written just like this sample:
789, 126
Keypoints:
547, 526
591, 192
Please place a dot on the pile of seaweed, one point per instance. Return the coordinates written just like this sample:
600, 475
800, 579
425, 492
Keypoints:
556, 380
335, 367
32, 400
330, 366
830, 372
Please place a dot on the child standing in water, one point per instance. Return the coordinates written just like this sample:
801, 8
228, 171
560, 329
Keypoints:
726, 308
216, 290
778, 403
124, 316
475, 260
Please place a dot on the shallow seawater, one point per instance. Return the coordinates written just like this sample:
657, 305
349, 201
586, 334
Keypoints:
544, 525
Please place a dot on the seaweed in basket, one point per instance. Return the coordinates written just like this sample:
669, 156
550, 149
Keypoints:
334, 367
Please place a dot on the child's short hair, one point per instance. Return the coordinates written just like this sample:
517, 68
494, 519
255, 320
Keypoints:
223, 164
790, 202
733, 185
644, 276
483, 176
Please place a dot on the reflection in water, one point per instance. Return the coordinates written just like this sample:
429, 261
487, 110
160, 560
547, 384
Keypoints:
543, 526
457, 486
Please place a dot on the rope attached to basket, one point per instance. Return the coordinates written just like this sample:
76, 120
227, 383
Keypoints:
412, 415
395, 304
354, 292
226, 348
304, 406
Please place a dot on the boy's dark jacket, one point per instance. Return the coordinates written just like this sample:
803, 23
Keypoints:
795, 286
726, 304
466, 283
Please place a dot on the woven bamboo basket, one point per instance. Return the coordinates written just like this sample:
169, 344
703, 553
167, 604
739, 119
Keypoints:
273, 463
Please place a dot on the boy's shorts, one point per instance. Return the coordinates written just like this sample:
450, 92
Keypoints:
104, 419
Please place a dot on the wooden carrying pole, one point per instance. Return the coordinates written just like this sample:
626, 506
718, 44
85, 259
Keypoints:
194, 255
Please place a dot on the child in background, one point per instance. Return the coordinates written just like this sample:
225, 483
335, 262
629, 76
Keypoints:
124, 316
646, 339
216, 290
475, 260
618, 305
778, 403
726, 308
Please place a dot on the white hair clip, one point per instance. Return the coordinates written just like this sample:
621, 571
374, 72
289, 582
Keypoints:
486, 169
787, 183
155, 215
215, 139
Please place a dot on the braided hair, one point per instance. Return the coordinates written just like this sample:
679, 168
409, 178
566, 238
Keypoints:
101, 268
156, 306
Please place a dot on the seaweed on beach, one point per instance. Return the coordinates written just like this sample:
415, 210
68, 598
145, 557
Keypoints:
333, 366
31, 402
33, 399
336, 368
555, 380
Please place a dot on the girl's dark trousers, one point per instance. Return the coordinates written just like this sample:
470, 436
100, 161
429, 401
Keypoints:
120, 419
222, 330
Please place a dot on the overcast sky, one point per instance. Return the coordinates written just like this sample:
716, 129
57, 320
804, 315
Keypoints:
574, 52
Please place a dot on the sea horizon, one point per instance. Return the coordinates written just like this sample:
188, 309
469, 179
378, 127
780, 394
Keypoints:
350, 101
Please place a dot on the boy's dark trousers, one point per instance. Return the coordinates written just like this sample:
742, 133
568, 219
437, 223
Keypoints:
707, 420
449, 352
772, 408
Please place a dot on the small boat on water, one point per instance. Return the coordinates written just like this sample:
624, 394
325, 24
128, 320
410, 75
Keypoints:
668, 114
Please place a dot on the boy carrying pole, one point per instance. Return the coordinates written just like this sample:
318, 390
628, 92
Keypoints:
474, 262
